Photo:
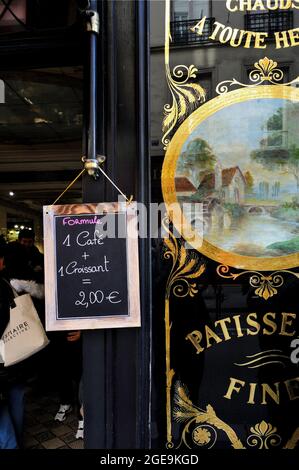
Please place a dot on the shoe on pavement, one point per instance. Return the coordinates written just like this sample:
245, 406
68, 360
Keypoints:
62, 412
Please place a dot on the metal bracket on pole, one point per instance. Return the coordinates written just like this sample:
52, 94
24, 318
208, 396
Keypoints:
91, 165
92, 21
90, 14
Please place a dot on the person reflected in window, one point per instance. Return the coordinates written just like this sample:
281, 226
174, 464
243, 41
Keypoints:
12, 389
23, 259
66, 350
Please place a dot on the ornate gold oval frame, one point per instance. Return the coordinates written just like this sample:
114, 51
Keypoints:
169, 170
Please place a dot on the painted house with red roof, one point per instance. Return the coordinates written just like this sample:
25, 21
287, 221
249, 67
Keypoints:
184, 187
227, 184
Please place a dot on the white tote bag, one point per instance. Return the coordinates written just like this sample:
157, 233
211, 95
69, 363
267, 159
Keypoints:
24, 334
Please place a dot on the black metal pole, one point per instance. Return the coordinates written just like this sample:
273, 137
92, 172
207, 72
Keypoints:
92, 128
92, 25
94, 341
145, 339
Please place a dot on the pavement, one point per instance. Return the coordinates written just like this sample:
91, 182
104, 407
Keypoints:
40, 429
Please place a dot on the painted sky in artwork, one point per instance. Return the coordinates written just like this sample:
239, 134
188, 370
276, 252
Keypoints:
235, 131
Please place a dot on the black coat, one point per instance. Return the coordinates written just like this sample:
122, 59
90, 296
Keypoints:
6, 301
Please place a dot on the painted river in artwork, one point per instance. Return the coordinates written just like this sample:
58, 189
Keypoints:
252, 234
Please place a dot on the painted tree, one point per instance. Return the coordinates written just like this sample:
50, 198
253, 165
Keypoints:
293, 166
249, 182
198, 157
275, 122
263, 190
272, 154
275, 189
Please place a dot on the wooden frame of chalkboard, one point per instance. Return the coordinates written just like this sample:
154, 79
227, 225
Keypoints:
91, 279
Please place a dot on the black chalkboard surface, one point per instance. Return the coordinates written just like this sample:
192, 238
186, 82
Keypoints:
92, 280
91, 268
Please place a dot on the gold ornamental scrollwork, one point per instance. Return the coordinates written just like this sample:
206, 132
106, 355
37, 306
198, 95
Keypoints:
265, 71
266, 286
292, 443
185, 96
207, 424
186, 267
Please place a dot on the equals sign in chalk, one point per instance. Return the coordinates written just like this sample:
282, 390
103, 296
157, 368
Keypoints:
86, 281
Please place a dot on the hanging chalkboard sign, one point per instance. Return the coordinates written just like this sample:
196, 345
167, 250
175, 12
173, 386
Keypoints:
91, 266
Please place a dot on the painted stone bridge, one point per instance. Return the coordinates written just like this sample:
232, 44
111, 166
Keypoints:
211, 203
260, 208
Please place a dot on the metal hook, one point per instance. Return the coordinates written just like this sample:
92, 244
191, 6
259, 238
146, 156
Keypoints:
91, 165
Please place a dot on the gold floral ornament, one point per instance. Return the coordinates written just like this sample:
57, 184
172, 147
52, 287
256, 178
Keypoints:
201, 435
263, 435
185, 96
265, 285
186, 267
206, 421
265, 71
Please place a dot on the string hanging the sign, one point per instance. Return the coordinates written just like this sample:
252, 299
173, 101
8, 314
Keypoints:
129, 200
